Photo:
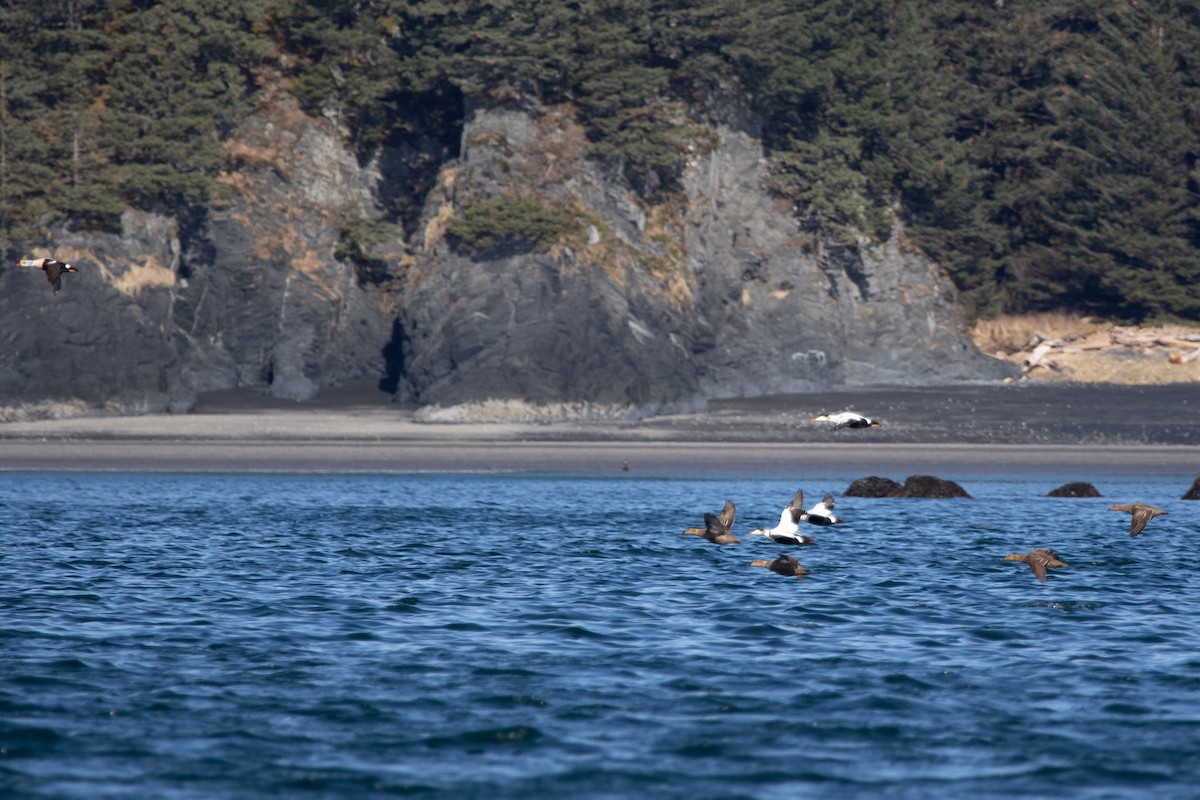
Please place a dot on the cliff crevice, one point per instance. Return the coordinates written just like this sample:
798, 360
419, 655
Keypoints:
317, 266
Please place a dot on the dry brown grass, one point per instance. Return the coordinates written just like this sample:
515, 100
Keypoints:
1012, 333
1119, 366
1091, 351
523, 411
67, 409
45, 409
150, 274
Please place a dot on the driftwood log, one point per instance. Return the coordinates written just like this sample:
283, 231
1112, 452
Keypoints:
1042, 349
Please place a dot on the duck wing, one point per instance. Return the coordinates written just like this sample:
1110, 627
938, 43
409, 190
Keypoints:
1141, 515
1038, 565
713, 526
1049, 556
796, 507
727, 515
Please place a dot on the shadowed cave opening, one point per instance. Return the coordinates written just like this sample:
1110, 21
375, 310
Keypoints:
393, 359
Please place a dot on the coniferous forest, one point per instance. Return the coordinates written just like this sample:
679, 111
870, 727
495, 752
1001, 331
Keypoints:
1045, 153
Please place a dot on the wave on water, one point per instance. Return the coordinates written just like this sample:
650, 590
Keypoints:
192, 636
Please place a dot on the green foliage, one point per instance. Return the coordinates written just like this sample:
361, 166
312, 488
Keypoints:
48, 117
358, 238
180, 78
508, 225
1044, 153
1078, 120
115, 102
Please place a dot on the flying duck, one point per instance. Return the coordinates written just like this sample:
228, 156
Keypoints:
716, 526
847, 419
822, 513
787, 531
54, 269
1038, 560
1141, 512
784, 565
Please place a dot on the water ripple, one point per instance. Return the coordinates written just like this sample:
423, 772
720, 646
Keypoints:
191, 636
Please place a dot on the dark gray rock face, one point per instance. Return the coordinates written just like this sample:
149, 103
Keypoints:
525, 328
714, 292
101, 340
267, 304
251, 297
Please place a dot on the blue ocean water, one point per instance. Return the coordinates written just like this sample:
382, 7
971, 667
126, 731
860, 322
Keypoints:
492, 636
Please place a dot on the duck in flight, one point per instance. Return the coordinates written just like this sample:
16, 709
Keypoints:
784, 565
716, 526
788, 529
53, 269
1038, 560
821, 513
1141, 514
847, 419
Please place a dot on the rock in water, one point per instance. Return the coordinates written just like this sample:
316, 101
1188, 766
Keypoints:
1075, 489
1194, 492
930, 486
873, 487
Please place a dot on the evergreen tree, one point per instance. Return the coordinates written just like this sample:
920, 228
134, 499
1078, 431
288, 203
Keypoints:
180, 77
1045, 153
49, 98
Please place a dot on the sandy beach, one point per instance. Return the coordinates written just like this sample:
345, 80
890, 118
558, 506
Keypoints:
1076, 432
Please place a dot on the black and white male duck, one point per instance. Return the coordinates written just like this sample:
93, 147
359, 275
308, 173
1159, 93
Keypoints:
53, 268
788, 529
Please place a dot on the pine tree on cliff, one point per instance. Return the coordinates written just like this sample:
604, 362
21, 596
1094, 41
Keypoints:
178, 80
49, 118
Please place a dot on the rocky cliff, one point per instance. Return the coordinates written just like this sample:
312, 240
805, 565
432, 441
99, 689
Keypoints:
247, 294
710, 289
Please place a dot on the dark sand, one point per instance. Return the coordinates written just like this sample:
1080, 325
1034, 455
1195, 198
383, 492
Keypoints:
1071, 432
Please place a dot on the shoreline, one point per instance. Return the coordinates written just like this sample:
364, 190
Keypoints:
1077, 432
465, 454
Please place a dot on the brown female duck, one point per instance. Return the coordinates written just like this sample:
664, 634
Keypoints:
784, 565
716, 526
1141, 514
1038, 560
